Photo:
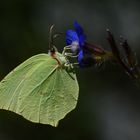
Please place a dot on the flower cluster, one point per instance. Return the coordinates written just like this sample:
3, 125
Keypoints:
92, 54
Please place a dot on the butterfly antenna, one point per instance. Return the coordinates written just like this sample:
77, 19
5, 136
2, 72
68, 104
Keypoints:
56, 35
51, 46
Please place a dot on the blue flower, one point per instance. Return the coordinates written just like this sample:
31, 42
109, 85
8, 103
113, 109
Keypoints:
77, 39
76, 35
71, 36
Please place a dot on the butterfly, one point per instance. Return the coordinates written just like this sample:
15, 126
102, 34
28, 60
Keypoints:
41, 89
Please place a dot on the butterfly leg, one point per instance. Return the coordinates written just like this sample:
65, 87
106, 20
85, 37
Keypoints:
71, 55
71, 65
66, 48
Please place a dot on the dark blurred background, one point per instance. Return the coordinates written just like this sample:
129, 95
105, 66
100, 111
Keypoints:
109, 101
